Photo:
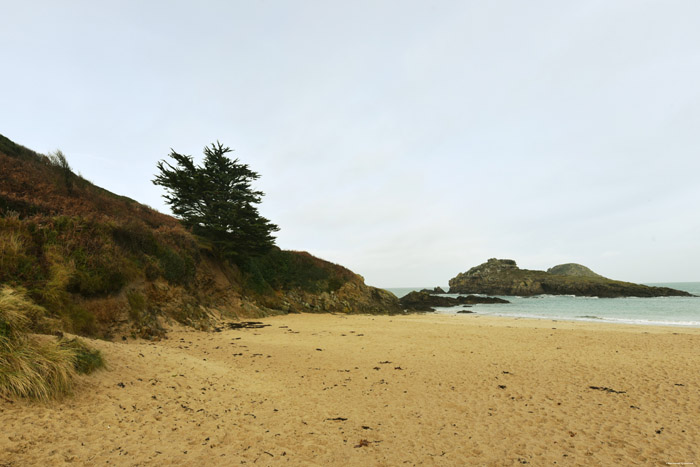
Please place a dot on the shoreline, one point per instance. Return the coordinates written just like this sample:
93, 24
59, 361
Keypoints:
677, 312
600, 321
545, 322
322, 389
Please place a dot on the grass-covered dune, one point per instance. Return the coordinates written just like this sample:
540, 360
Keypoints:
99, 263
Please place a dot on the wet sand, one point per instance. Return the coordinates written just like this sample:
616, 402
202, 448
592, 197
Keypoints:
377, 390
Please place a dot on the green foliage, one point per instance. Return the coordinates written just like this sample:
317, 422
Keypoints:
216, 201
286, 270
87, 359
97, 273
177, 269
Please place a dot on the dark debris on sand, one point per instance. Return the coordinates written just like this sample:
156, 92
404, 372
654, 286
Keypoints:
247, 325
610, 390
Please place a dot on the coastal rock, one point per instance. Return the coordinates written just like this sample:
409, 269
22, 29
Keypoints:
423, 301
436, 290
503, 277
352, 297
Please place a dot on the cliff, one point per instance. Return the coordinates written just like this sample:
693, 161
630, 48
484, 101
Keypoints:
503, 277
101, 263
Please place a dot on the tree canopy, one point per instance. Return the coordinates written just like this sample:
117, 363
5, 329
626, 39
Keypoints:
216, 200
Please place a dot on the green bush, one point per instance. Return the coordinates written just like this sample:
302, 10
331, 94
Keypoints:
284, 270
176, 268
87, 360
99, 272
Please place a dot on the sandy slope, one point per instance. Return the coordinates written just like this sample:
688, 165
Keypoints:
363, 390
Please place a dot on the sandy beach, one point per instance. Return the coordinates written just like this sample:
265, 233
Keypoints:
377, 390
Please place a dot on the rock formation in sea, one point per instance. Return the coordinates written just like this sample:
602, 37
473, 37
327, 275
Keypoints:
435, 290
504, 277
423, 301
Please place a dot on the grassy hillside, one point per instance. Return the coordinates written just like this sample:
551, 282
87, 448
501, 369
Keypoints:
101, 263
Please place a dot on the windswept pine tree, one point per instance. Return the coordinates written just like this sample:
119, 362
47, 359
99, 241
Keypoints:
217, 201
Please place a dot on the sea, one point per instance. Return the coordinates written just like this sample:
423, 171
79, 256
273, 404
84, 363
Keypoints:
657, 311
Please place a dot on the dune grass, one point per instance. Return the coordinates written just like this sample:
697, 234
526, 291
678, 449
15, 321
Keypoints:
37, 367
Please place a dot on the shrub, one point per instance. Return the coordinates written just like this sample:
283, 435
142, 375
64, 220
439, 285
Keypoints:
87, 360
176, 268
286, 270
98, 272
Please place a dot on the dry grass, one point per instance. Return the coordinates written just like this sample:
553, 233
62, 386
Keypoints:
38, 367
11, 244
39, 370
17, 314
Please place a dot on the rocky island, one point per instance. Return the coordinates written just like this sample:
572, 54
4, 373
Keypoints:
504, 277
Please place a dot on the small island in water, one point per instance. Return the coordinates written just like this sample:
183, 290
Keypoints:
504, 277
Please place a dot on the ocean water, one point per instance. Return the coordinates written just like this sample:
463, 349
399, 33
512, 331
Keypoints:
658, 311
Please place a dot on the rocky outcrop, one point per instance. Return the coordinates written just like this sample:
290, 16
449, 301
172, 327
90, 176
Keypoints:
503, 277
435, 290
423, 301
351, 298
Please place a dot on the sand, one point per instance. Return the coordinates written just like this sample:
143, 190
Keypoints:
377, 390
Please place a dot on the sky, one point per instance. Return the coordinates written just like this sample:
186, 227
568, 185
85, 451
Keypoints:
406, 140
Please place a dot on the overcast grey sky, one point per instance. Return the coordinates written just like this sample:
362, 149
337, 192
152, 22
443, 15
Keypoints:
408, 141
